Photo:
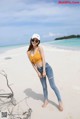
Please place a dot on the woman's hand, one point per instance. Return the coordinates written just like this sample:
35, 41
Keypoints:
39, 74
44, 74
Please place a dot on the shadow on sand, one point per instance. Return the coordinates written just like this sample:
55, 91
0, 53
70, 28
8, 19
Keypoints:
36, 96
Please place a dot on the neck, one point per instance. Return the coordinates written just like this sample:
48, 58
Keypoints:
35, 47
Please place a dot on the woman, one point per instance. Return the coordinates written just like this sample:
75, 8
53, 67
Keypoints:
36, 56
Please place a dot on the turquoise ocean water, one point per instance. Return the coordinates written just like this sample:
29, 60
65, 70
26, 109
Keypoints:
70, 44
6, 48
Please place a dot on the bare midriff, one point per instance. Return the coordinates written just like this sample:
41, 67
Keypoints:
39, 64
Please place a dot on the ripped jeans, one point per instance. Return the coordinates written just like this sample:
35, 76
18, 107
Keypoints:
49, 74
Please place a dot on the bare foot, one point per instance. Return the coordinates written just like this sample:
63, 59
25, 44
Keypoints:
45, 103
60, 107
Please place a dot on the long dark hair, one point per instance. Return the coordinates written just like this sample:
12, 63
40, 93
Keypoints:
31, 46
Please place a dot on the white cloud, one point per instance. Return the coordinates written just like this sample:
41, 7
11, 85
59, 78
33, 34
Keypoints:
14, 11
50, 34
20, 16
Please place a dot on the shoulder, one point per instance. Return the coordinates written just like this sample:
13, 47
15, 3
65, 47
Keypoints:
40, 48
28, 53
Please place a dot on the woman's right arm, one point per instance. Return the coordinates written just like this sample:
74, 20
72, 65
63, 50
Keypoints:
34, 66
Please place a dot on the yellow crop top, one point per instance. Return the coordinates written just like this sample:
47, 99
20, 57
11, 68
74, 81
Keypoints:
36, 58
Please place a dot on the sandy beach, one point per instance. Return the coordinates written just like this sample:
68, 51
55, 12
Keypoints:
26, 84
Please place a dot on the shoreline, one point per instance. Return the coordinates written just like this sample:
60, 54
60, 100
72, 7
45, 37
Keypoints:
63, 47
9, 48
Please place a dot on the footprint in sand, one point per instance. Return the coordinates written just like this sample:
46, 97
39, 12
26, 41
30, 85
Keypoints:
69, 116
7, 58
77, 89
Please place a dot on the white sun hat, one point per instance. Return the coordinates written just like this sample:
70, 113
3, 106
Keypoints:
36, 36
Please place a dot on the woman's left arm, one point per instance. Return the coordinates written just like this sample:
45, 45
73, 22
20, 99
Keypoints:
43, 60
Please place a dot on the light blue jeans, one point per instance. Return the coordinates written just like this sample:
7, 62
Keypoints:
49, 74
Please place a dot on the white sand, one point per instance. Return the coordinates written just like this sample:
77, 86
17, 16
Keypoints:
25, 82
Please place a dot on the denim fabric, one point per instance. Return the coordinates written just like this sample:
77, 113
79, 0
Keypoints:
49, 74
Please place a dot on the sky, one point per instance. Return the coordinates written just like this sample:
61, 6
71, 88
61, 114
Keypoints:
19, 19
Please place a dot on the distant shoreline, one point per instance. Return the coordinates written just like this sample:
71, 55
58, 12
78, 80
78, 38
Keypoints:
67, 37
